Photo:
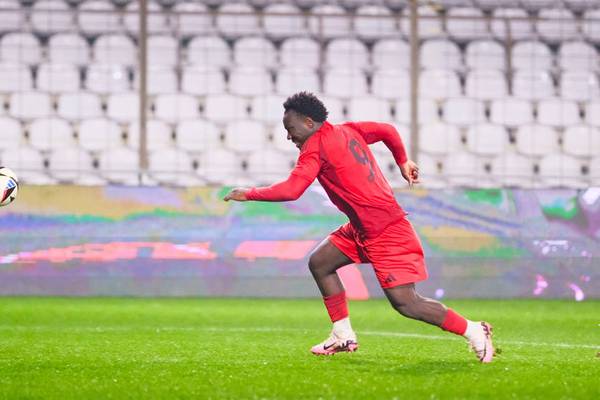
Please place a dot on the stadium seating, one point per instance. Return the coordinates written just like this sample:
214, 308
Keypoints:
224, 67
120, 165
71, 164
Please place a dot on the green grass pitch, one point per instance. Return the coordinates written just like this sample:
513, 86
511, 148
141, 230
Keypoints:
58, 348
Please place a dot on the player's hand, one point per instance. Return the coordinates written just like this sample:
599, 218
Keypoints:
410, 172
237, 194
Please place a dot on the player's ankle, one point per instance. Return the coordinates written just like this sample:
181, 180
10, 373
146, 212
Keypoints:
342, 327
473, 329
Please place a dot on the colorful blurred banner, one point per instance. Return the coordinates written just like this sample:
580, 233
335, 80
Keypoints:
69, 240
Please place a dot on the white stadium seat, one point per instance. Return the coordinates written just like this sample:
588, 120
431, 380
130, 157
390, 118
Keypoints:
592, 113
464, 111
28, 163
391, 53
536, 140
169, 165
487, 139
98, 17
590, 26
242, 20
12, 135
557, 25
391, 83
59, 19
439, 84
197, 135
220, 166
99, 134
464, 169
245, 136
345, 83
430, 27
15, 77
369, 109
163, 50
486, 84
558, 112
191, 18
532, 85
268, 108
427, 111
579, 86
517, 19
11, 17
335, 108
290, 23
438, 138
329, 21
225, 107
594, 170
157, 20
536, 5
209, 51
120, 165
268, 166
254, 52
160, 80
429, 171
50, 133
531, 56
441, 54
347, 52
30, 105
78, 105
466, 23
70, 163
294, 79
511, 111
578, 56
22, 48
581, 141
58, 78
250, 81
173, 108
158, 135
115, 49
105, 78
485, 54
200, 80
560, 170
373, 21
513, 170
69, 48
300, 52
123, 107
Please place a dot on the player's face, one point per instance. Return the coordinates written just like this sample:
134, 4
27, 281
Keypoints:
298, 127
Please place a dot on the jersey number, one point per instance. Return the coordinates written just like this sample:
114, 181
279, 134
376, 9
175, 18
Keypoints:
362, 157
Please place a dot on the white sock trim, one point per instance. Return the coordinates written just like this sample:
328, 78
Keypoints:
342, 326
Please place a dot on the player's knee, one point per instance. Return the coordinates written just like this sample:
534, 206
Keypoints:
315, 264
406, 307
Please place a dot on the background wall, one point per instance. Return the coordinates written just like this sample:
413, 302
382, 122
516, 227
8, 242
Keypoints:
116, 240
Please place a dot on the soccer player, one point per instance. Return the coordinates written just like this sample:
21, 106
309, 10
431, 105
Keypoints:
378, 231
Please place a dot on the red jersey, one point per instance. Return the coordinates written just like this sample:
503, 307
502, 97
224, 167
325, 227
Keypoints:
340, 158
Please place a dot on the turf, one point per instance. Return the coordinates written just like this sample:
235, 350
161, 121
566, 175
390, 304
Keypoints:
57, 348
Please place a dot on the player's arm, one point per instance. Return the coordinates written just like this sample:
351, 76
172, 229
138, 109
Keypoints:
306, 170
373, 132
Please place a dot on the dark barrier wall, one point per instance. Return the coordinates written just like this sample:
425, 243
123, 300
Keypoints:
66, 240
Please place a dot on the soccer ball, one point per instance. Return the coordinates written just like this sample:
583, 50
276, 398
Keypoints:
9, 186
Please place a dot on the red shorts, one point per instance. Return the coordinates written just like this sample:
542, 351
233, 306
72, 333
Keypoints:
396, 255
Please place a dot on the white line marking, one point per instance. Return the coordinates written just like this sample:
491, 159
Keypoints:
101, 329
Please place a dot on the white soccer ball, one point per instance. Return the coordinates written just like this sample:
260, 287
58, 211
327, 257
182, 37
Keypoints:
9, 186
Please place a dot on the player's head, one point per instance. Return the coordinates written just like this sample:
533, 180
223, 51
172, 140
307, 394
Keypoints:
304, 114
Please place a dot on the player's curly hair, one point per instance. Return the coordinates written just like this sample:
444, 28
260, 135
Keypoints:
307, 104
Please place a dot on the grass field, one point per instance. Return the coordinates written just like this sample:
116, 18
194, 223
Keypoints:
56, 348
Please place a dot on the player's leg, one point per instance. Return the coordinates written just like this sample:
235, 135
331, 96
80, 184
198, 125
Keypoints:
406, 300
323, 264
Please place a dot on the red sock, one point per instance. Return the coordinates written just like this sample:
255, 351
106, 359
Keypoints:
454, 323
337, 307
